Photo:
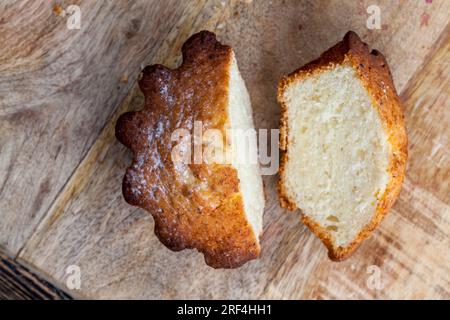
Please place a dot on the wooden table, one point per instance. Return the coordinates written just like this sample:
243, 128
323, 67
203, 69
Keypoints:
61, 91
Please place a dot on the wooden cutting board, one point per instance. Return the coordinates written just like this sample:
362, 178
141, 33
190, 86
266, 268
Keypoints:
61, 91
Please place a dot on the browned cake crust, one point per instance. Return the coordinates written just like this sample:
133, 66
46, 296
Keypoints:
375, 75
204, 210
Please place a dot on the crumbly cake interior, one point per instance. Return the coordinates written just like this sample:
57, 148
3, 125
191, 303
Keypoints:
337, 150
244, 155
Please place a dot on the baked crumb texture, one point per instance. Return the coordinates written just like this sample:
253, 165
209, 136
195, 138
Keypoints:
202, 206
343, 142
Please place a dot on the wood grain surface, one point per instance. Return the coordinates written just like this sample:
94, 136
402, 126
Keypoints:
58, 88
61, 167
18, 282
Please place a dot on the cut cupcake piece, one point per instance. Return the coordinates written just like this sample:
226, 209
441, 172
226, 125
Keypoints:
213, 206
344, 144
